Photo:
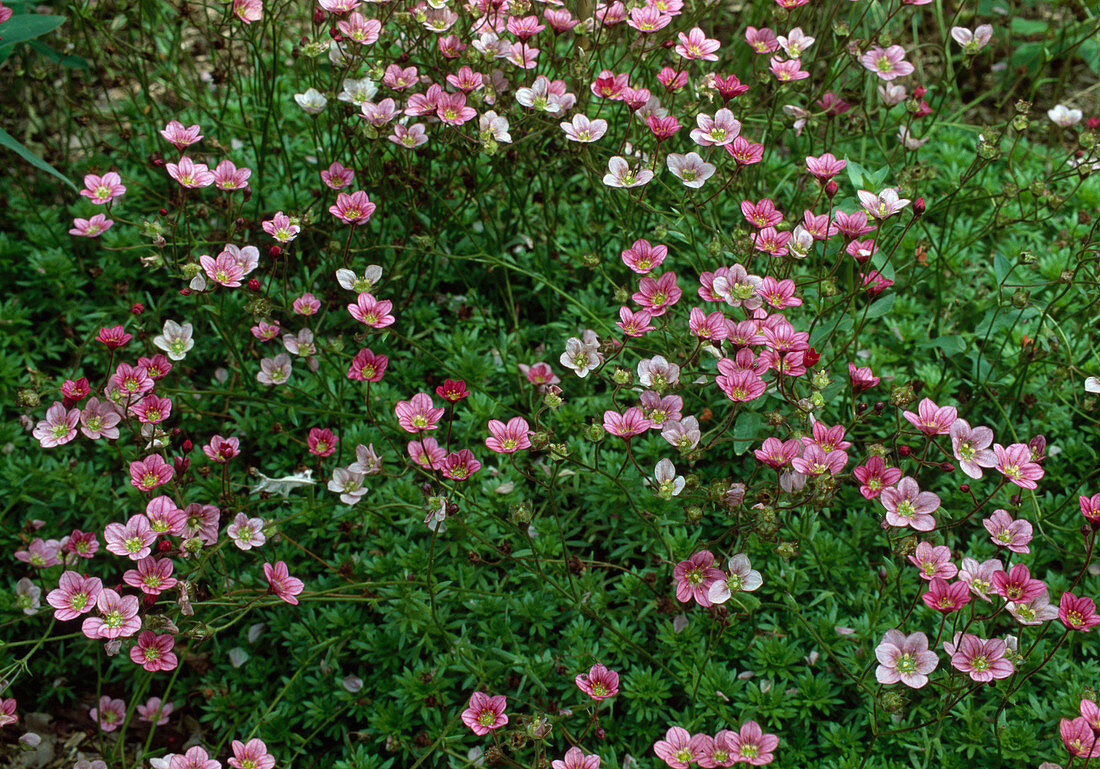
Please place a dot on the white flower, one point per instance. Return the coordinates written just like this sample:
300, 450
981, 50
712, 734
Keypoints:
620, 174
237, 656
352, 282
348, 484
972, 42
1063, 116
795, 43
581, 129
356, 91
493, 126
1092, 385
175, 339
580, 356
911, 142
691, 169
669, 484
742, 578
312, 101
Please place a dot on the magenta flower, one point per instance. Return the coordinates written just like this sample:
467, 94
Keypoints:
739, 385
1014, 463
190, 174
91, 228
508, 438
418, 414
599, 682
971, 447
887, 63
355, 209
907, 505
151, 576
982, 660
626, 425
103, 189
321, 442
576, 759
372, 312
110, 714
815, 461
366, 366
40, 554
657, 295
74, 595
151, 472
694, 578
485, 713
113, 338
933, 561
164, 517
751, 746
679, 749
905, 658
282, 584
7, 706
222, 269
776, 453
59, 426
221, 450
336, 176
1017, 585
226, 175
874, 477
826, 166
931, 419
154, 652
634, 324
1077, 613
945, 597
1079, 737
459, 465
118, 616
251, 755
134, 540
1009, 533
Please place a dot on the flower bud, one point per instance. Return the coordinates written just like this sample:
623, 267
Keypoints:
964, 488
274, 251
318, 16
831, 189
181, 464
595, 433
137, 308
904, 451
918, 207
253, 285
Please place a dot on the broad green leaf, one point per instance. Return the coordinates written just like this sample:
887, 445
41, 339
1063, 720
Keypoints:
9, 141
27, 26
881, 307
1001, 268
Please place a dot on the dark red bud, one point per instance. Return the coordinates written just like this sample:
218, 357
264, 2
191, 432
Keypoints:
861, 407
964, 488
138, 308
879, 406
181, 465
1086, 529
918, 207
904, 451
163, 212
187, 446
947, 467
175, 432
148, 600
185, 291
253, 285
1016, 499
274, 251
247, 194
831, 189
164, 546
158, 162
318, 18
919, 92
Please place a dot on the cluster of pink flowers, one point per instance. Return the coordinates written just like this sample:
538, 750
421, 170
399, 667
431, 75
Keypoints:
749, 745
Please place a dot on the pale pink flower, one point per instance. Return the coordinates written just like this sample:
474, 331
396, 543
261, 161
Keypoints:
979, 576
371, 311
887, 63
41, 554
1035, 611
427, 453
508, 438
485, 713
1014, 463
575, 758
762, 41
7, 706
91, 228
742, 578
694, 578
690, 169
620, 174
74, 595
971, 447
933, 561
154, 652
246, 532
194, 758
337, 177
248, 11
696, 45
581, 355
103, 189
718, 131
907, 505
118, 616
883, 205
275, 371
1009, 533
109, 714
306, 304
190, 174
154, 711
657, 372
282, 584
251, 755
133, 540
360, 29
164, 517
179, 136
931, 419
151, 472
581, 129
972, 42
795, 43
904, 658
983, 660
59, 426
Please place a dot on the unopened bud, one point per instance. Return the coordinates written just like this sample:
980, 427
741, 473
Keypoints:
904, 451
831, 189
918, 207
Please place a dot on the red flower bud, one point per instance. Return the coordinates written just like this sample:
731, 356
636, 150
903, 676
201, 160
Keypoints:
919, 92
918, 207
163, 212
181, 464
831, 189
318, 16
185, 291
904, 451
187, 446
138, 308
810, 357
164, 546
947, 467
274, 251
253, 285
964, 488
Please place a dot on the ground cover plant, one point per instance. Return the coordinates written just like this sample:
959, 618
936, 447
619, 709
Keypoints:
544, 384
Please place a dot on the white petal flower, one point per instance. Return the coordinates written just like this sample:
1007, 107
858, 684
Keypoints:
175, 339
312, 101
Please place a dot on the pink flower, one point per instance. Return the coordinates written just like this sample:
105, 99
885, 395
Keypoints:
91, 228
853, 225
321, 442
884, 205
576, 759
826, 166
904, 658
152, 576
1014, 463
1079, 737
226, 175
154, 652
679, 749
739, 385
745, 152
1005, 532
648, 19
971, 447
778, 294
110, 714
1035, 611
372, 312
190, 174
221, 450
694, 578
281, 228
696, 45
599, 682
409, 136
81, 543
194, 758
1017, 584
452, 109
816, 461
634, 324
246, 532
102, 189
179, 136
151, 472
251, 755
275, 371
59, 426
718, 131
510, 438
887, 63
539, 374
620, 174
355, 209
762, 41
40, 554
118, 616
787, 71
626, 425
427, 453
907, 505
933, 561
74, 595
931, 419
282, 584
154, 711
485, 713
710, 327
336, 176
752, 746
7, 706
945, 597
248, 11
306, 304
418, 414
223, 269
134, 540
657, 372
980, 576
581, 129
776, 453
359, 28
265, 331
1077, 613
982, 660
657, 295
